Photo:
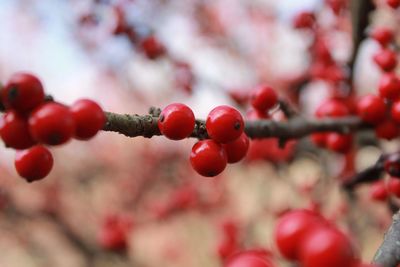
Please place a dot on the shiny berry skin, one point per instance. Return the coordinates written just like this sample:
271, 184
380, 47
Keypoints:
386, 59
52, 124
389, 86
224, 124
208, 158
395, 111
378, 191
383, 35
304, 20
176, 121
89, 118
264, 98
328, 247
291, 228
340, 143
34, 163
388, 130
249, 259
23, 92
332, 108
237, 149
371, 109
152, 47
14, 131
393, 3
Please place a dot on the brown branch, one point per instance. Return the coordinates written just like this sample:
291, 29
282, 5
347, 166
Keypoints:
388, 254
297, 127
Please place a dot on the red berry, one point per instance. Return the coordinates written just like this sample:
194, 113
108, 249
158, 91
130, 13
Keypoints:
249, 259
339, 142
264, 98
176, 121
389, 86
304, 20
291, 229
387, 130
319, 139
332, 108
89, 118
23, 92
378, 191
336, 5
394, 186
113, 233
34, 164
152, 47
383, 35
371, 109
395, 111
208, 158
224, 124
52, 124
14, 131
328, 247
237, 149
386, 59
393, 3
392, 165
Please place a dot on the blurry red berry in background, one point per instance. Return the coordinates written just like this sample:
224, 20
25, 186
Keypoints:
152, 47
388, 130
389, 86
382, 35
332, 108
371, 109
386, 59
337, 142
304, 20
319, 139
263, 98
393, 3
378, 191
395, 111
249, 259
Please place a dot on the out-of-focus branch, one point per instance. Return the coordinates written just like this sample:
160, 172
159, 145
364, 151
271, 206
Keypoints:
360, 11
297, 127
388, 254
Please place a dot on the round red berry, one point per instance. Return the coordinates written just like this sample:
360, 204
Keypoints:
152, 47
341, 143
264, 98
328, 247
386, 59
34, 164
237, 149
389, 86
394, 186
395, 111
176, 121
291, 229
14, 131
224, 124
89, 118
387, 130
52, 124
304, 20
371, 109
382, 35
393, 3
23, 92
249, 258
332, 108
208, 158
378, 191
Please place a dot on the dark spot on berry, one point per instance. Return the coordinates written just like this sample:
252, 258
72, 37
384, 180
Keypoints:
162, 118
13, 93
237, 126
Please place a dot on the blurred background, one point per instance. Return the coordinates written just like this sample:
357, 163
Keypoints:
130, 55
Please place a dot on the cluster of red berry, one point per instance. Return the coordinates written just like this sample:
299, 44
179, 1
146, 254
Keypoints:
306, 237
225, 126
30, 122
